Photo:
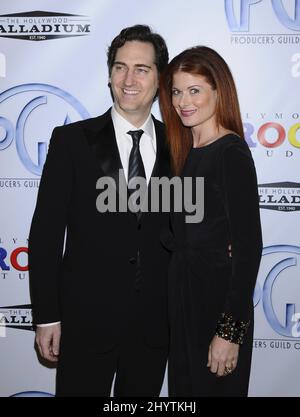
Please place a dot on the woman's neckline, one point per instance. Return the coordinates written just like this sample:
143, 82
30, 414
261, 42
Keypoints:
215, 141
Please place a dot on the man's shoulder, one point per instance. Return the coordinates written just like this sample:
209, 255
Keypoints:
159, 126
157, 121
92, 123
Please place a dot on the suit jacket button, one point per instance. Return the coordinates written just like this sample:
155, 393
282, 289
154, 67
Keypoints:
132, 260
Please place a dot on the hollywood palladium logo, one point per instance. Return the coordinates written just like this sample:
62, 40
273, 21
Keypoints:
42, 26
280, 196
15, 317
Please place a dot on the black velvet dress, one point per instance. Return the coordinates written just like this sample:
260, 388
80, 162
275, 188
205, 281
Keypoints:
210, 292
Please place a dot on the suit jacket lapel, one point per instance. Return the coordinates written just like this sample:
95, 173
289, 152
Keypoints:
102, 140
160, 167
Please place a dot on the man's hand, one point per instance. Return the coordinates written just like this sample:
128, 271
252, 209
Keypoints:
222, 356
48, 339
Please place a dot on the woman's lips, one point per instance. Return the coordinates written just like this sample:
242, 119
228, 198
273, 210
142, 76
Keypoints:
187, 113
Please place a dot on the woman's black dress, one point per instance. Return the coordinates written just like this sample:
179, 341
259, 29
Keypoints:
210, 292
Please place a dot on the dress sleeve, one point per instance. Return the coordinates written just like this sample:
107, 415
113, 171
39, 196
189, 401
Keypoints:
239, 184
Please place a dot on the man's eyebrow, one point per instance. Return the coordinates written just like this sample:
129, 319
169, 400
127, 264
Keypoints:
136, 65
143, 65
119, 63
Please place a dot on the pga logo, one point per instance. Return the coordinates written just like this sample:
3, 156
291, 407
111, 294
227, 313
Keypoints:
279, 10
291, 326
42, 93
32, 394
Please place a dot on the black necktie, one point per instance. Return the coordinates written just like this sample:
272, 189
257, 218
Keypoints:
136, 166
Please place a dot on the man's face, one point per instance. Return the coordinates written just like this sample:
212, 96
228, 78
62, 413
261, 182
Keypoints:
134, 79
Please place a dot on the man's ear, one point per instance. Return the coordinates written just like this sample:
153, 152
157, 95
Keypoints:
110, 90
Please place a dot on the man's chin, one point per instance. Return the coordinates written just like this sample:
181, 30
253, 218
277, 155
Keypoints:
130, 109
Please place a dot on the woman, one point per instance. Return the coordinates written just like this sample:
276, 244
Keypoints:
210, 290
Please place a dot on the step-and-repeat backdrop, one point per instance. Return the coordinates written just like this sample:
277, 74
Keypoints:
53, 71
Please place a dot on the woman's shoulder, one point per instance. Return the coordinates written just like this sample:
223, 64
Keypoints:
232, 139
233, 144
235, 157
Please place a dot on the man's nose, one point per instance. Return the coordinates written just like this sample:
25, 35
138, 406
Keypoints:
129, 77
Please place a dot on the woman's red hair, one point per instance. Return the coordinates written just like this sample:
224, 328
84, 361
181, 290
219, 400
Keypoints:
199, 60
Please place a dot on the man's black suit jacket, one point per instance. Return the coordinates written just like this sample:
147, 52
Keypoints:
91, 287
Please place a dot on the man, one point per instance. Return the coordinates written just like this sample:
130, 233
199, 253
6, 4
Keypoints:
101, 306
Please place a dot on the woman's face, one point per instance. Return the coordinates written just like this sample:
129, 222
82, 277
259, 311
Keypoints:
194, 99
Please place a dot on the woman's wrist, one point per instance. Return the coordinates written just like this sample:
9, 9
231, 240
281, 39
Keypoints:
231, 329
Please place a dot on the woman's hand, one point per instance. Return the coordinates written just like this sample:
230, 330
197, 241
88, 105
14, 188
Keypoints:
222, 356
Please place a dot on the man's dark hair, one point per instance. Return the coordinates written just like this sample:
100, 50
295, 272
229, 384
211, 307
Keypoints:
141, 33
